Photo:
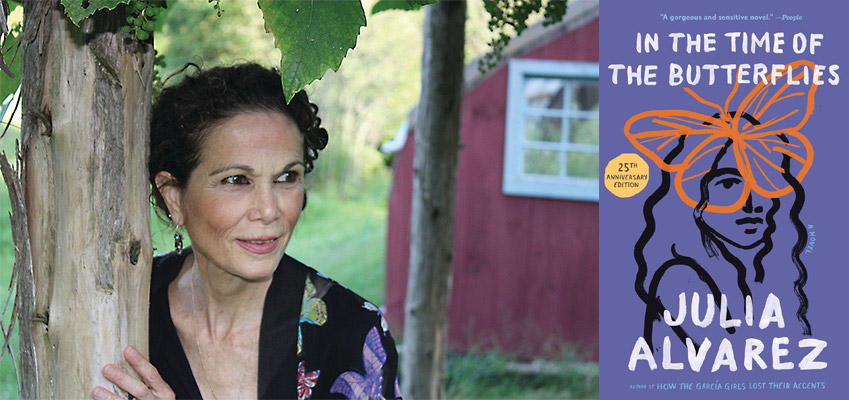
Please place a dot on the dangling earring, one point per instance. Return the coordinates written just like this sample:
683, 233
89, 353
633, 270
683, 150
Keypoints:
178, 241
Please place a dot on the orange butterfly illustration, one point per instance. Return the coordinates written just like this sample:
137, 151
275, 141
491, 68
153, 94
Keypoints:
758, 148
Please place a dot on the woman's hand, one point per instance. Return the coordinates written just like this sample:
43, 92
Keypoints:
153, 386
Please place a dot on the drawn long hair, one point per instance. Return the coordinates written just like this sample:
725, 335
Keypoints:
715, 245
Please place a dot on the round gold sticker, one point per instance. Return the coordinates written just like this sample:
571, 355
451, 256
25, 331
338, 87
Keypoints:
626, 175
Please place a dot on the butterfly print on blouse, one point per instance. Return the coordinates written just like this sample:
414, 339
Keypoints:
354, 385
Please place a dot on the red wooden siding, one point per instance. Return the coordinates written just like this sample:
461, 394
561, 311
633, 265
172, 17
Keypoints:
525, 269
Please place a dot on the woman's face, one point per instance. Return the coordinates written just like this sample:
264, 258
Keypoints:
745, 227
242, 201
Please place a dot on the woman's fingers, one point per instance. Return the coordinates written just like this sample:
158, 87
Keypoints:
100, 393
152, 387
148, 372
130, 384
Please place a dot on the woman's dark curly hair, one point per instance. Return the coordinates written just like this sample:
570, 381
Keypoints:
184, 114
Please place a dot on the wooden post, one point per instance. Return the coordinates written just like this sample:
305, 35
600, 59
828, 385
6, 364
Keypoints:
432, 220
86, 94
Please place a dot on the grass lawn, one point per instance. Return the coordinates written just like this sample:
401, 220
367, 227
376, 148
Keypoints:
492, 375
344, 237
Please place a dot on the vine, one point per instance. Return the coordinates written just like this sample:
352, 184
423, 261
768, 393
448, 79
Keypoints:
158, 65
513, 15
217, 7
141, 17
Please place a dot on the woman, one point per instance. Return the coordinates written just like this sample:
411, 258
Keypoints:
234, 316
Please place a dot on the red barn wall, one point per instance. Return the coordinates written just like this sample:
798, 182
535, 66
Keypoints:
525, 269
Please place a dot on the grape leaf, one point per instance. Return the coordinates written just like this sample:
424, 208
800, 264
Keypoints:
78, 10
405, 5
312, 36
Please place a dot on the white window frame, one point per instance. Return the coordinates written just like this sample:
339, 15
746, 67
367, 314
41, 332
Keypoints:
515, 181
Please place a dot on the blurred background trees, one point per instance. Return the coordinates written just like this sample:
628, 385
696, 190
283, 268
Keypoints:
362, 105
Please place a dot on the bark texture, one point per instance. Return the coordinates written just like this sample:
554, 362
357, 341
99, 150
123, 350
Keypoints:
86, 104
432, 220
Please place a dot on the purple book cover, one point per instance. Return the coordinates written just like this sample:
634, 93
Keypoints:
722, 145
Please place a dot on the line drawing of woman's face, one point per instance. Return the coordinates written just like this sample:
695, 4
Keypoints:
744, 228
723, 185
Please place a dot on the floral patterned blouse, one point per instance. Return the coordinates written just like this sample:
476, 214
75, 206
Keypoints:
318, 339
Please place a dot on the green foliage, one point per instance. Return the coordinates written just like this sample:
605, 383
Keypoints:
11, 56
359, 108
142, 16
405, 5
362, 109
78, 10
8, 84
193, 33
513, 15
158, 64
312, 37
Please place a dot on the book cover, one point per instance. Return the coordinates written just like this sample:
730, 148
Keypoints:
721, 241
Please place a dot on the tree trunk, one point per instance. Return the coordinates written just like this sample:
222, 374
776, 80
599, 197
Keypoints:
86, 95
432, 225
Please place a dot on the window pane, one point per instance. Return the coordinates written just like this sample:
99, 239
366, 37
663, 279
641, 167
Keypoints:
544, 92
583, 131
542, 162
582, 165
543, 129
584, 96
